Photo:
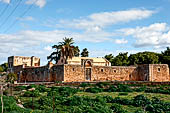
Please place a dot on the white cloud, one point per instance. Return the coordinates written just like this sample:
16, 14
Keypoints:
28, 43
39, 3
97, 21
156, 35
48, 48
121, 41
5, 1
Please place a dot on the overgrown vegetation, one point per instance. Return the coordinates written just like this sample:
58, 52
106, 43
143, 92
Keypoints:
105, 98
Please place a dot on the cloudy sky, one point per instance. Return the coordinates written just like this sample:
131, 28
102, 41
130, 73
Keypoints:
31, 27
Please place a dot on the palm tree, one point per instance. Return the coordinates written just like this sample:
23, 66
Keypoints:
65, 49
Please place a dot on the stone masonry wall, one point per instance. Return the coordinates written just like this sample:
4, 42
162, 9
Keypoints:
159, 72
143, 72
77, 73
119, 73
42, 74
100, 73
73, 73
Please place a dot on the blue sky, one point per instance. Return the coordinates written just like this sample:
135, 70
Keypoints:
101, 26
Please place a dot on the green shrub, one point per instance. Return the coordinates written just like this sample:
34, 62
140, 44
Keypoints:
117, 108
34, 93
140, 89
19, 88
112, 88
94, 90
123, 93
102, 84
123, 88
11, 107
141, 100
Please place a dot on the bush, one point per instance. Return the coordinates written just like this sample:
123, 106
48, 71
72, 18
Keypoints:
94, 90
34, 93
140, 89
19, 88
123, 93
102, 84
117, 108
124, 88
11, 107
141, 100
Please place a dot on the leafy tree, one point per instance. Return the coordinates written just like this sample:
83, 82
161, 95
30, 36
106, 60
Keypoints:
165, 56
11, 77
85, 53
64, 49
121, 60
55, 55
144, 58
76, 51
109, 57
4, 66
1, 69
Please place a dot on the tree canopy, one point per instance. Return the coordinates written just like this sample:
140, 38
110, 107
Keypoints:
4, 67
64, 49
122, 59
85, 53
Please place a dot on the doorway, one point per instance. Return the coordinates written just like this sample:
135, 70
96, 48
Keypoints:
88, 74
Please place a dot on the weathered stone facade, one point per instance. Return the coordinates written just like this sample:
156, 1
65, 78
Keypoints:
87, 71
21, 61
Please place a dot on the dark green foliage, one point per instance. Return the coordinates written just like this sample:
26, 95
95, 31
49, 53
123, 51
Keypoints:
11, 107
140, 111
19, 88
85, 85
158, 90
85, 53
121, 60
34, 93
141, 100
144, 58
62, 91
109, 57
94, 90
4, 67
112, 89
119, 88
122, 101
123, 93
117, 108
102, 84
32, 86
140, 89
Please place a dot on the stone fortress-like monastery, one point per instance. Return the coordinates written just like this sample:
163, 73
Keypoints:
84, 69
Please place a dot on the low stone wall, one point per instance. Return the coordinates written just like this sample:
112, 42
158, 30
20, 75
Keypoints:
42, 74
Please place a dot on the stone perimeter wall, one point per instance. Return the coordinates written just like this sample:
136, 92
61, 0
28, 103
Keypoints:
100, 73
40, 74
146, 72
77, 73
